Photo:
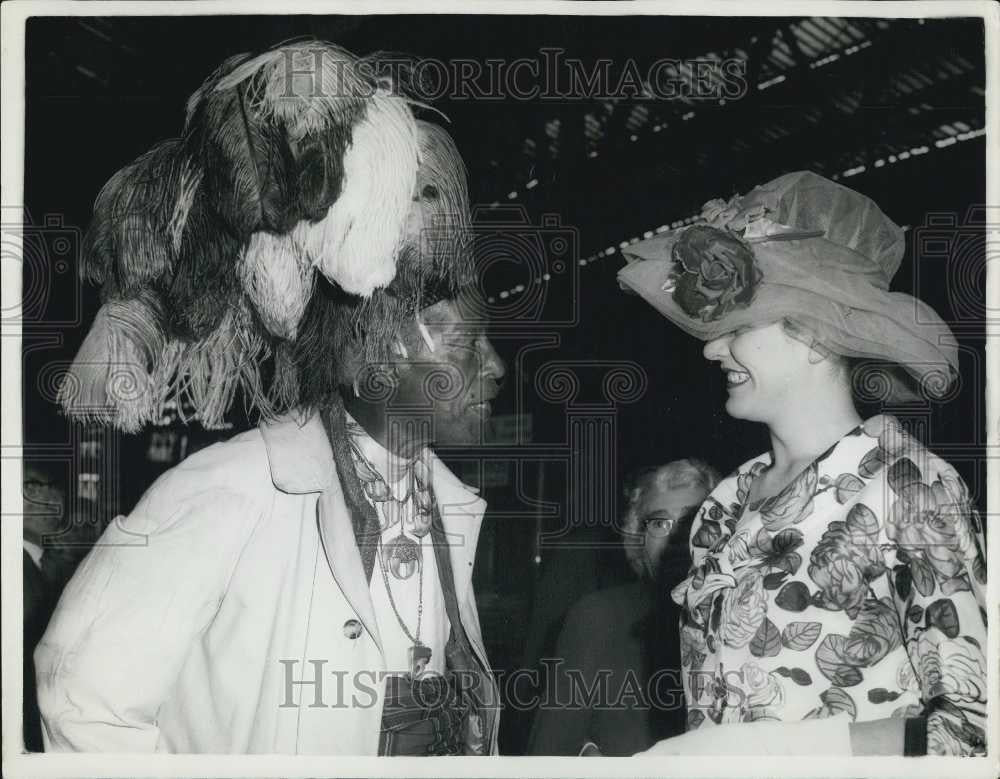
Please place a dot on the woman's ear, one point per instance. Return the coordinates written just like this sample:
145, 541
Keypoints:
817, 354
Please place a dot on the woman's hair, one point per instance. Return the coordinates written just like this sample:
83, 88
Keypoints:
688, 472
806, 336
871, 382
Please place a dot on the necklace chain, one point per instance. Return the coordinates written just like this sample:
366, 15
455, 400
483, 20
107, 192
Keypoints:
377, 490
420, 595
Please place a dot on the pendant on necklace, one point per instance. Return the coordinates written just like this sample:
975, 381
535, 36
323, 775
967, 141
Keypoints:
420, 525
401, 557
423, 505
392, 513
420, 658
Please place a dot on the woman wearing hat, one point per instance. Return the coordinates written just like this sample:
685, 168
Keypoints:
835, 602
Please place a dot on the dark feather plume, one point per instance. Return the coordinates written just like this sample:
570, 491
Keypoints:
204, 281
129, 244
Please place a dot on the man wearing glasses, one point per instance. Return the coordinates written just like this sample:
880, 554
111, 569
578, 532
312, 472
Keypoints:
613, 684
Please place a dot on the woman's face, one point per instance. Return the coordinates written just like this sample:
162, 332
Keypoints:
764, 370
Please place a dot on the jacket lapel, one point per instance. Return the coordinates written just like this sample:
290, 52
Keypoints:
462, 518
344, 557
301, 461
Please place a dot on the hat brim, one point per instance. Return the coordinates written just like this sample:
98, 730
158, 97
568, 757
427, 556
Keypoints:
647, 279
898, 328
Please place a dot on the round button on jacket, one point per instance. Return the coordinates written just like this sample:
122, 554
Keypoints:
352, 628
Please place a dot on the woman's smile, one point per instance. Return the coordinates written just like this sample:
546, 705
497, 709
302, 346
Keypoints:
735, 378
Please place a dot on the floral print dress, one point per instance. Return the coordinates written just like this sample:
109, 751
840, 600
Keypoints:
857, 589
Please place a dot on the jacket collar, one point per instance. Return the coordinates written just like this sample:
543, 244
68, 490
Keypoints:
301, 461
392, 468
298, 453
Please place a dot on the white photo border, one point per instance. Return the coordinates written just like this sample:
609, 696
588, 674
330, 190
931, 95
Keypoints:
18, 764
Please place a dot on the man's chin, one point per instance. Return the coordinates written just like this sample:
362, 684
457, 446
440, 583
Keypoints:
470, 429
482, 410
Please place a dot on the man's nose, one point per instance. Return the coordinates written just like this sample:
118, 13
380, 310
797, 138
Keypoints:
492, 363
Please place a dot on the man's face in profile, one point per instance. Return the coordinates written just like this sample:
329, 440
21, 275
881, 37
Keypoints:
451, 370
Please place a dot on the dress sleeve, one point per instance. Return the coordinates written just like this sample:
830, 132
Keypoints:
937, 574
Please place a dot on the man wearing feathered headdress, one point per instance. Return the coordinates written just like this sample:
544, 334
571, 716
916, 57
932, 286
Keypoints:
304, 587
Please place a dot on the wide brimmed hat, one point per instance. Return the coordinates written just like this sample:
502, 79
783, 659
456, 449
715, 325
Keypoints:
801, 248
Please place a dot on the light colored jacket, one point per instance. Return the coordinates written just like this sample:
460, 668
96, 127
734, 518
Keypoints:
190, 624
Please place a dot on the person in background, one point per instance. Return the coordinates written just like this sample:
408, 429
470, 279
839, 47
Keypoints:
615, 638
48, 562
836, 599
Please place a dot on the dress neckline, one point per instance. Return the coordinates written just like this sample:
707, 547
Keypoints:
754, 473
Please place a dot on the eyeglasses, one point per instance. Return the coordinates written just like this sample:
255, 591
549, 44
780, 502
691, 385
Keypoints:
658, 527
661, 527
37, 487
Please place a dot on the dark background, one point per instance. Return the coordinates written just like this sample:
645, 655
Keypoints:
101, 91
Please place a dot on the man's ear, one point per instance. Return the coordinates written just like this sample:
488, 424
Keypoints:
414, 341
400, 351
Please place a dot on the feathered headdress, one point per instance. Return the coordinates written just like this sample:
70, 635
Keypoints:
301, 159
436, 262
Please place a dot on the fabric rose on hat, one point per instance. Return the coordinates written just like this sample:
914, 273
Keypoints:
714, 273
718, 212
